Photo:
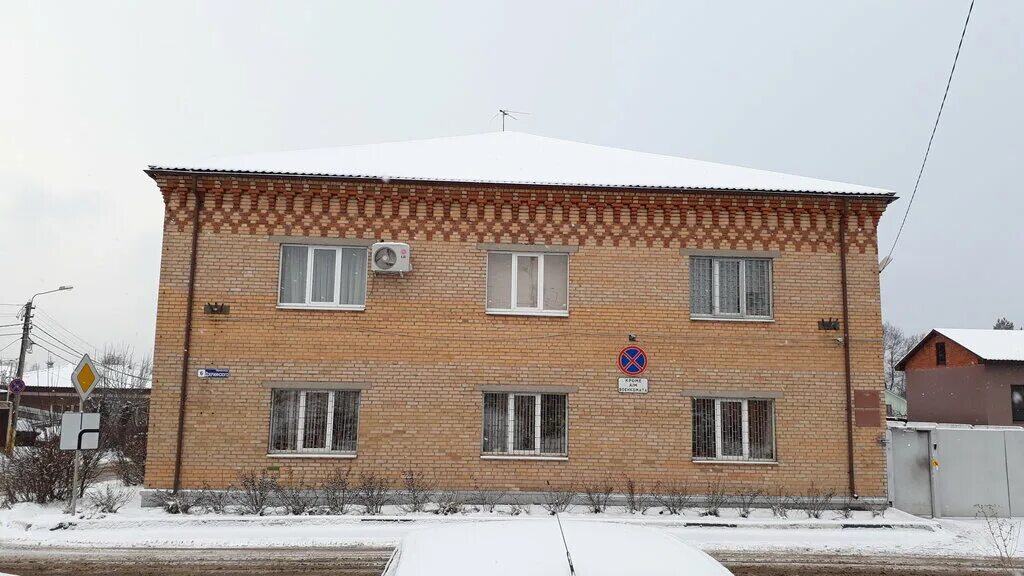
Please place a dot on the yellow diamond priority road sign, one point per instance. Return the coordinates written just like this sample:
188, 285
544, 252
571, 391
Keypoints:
85, 377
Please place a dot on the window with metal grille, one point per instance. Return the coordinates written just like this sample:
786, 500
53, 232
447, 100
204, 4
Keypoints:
314, 421
730, 287
521, 283
322, 277
525, 424
1017, 402
733, 429
940, 353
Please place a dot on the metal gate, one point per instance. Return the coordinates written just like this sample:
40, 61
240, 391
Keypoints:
910, 487
943, 470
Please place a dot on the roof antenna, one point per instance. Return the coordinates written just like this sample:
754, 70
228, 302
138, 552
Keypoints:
507, 114
568, 556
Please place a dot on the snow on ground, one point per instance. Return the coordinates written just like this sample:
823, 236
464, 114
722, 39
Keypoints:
898, 533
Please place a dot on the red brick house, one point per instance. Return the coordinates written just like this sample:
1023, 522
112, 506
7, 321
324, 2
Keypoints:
285, 342
965, 376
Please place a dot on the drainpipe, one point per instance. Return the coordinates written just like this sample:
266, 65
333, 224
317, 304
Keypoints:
187, 346
846, 348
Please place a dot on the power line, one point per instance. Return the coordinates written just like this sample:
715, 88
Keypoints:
934, 128
53, 342
50, 318
57, 340
54, 353
8, 345
9, 325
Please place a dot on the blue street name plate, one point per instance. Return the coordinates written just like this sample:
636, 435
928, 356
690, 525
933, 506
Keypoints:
215, 373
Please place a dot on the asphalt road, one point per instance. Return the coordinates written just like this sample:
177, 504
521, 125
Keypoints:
370, 562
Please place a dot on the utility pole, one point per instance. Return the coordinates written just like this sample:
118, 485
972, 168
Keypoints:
26, 341
12, 420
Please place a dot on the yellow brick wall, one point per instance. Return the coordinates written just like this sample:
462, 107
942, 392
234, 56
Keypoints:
424, 344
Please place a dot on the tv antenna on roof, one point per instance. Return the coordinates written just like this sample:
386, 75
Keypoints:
507, 114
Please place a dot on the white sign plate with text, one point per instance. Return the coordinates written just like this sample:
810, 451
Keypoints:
633, 385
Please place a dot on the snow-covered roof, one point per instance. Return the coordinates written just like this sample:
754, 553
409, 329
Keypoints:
534, 547
994, 345
60, 377
518, 158
988, 344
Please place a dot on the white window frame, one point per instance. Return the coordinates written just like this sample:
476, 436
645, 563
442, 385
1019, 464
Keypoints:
301, 426
308, 297
716, 313
537, 310
745, 423
511, 451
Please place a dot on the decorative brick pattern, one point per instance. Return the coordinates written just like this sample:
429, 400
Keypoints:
602, 217
424, 345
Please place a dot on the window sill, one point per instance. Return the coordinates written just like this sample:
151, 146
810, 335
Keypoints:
307, 455
743, 462
549, 313
729, 319
308, 307
523, 457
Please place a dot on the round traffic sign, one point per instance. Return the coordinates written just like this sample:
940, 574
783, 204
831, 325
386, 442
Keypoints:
632, 360
16, 386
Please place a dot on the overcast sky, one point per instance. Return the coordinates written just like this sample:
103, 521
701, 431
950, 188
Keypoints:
93, 92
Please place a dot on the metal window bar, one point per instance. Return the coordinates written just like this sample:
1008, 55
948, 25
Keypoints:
704, 441
525, 424
731, 287
345, 427
730, 429
314, 421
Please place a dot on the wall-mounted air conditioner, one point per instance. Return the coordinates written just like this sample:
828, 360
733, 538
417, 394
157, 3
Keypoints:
390, 257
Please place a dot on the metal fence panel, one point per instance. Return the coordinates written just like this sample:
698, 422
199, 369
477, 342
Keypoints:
1015, 470
972, 471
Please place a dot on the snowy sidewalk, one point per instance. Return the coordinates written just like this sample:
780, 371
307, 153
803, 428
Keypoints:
29, 525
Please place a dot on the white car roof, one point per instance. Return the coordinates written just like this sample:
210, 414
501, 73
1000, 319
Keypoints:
534, 547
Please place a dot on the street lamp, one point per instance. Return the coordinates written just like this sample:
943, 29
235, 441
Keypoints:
26, 328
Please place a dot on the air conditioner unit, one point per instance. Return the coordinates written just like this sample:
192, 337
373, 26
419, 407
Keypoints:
390, 257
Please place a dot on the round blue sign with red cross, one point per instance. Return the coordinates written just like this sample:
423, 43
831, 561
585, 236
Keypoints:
16, 386
633, 360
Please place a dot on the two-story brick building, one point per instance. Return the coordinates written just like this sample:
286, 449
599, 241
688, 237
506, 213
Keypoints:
494, 362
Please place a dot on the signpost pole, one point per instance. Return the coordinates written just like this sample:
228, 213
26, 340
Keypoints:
78, 466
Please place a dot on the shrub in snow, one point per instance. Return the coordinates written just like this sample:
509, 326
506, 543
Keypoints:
178, 503
488, 500
217, 501
373, 492
449, 503
878, 509
1003, 534
746, 500
846, 510
110, 497
636, 499
779, 501
557, 501
516, 507
337, 493
817, 501
672, 497
42, 473
416, 490
714, 500
255, 491
299, 499
598, 495
130, 458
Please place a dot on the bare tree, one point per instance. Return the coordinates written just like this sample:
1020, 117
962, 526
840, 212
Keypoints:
124, 412
895, 345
